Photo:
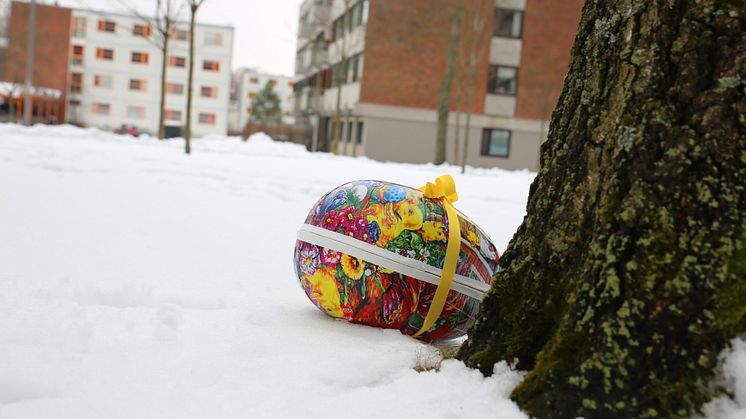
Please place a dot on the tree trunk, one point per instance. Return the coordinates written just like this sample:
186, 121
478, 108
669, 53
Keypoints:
628, 274
190, 82
162, 107
444, 96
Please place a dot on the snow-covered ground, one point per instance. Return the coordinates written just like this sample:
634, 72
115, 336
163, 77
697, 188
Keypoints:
139, 282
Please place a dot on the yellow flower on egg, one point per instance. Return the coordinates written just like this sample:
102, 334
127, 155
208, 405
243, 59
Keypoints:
352, 266
410, 214
433, 231
323, 290
473, 238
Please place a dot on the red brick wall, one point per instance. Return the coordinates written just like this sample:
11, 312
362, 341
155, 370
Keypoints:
52, 45
549, 28
406, 47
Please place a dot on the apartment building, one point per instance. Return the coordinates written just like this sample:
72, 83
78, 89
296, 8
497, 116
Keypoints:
396, 55
246, 84
111, 66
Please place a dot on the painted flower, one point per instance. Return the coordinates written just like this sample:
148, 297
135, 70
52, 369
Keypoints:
309, 259
488, 249
433, 231
361, 229
374, 232
330, 221
323, 291
473, 238
424, 254
352, 266
346, 218
333, 201
330, 257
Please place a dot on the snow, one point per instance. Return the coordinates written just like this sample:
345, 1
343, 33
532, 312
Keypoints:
732, 376
136, 281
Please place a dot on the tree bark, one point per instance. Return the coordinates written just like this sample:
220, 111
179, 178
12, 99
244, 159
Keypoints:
444, 95
628, 274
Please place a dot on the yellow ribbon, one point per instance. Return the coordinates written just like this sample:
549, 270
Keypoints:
444, 190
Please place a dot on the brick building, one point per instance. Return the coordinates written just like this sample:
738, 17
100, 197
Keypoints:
396, 56
108, 71
50, 68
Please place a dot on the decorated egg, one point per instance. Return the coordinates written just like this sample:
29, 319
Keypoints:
377, 253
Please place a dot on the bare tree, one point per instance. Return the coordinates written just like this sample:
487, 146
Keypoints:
475, 47
193, 7
444, 95
163, 24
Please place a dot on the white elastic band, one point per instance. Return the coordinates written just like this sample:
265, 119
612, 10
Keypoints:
388, 259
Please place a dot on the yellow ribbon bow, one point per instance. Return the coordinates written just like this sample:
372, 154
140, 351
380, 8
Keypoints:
444, 190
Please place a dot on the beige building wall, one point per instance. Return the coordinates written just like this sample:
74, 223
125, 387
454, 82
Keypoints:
408, 135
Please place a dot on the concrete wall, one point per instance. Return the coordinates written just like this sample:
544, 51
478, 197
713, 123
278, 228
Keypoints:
408, 135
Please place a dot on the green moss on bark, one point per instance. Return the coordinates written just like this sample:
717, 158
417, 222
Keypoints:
628, 275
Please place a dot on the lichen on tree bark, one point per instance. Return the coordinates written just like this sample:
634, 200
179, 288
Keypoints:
628, 274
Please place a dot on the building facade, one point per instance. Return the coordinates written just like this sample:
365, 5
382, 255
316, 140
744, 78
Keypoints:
246, 84
516, 51
109, 67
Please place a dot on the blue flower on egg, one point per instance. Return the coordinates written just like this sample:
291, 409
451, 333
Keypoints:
374, 232
333, 201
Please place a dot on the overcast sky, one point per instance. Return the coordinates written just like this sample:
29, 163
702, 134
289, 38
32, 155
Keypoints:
265, 30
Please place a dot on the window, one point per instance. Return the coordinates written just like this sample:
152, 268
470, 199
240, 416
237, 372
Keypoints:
208, 91
136, 112
349, 132
101, 108
495, 142
502, 80
254, 80
273, 82
181, 35
207, 118
172, 115
354, 67
252, 95
77, 55
508, 23
249, 109
209, 65
76, 82
359, 133
137, 84
175, 88
213, 38
140, 57
102, 81
79, 27
176, 61
141, 30
106, 26
105, 54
